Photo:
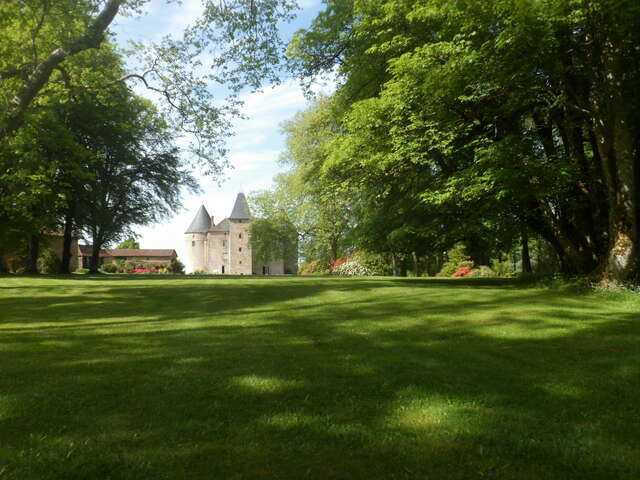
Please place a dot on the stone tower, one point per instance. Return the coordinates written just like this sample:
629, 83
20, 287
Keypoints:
240, 258
196, 241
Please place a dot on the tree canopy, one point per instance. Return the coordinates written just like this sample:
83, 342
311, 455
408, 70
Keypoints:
479, 119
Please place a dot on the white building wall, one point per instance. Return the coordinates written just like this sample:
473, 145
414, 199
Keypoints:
195, 244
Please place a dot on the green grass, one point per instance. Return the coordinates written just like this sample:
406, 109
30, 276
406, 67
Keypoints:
169, 377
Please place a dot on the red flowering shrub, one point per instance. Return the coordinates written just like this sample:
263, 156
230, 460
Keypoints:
141, 270
462, 272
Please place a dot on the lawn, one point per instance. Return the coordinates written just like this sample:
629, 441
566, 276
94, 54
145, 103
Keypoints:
169, 377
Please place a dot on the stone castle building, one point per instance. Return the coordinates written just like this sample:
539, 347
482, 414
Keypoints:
225, 248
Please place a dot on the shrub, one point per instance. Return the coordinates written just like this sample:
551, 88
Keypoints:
315, 267
129, 267
199, 272
176, 266
337, 263
82, 271
449, 268
48, 262
352, 269
483, 271
14, 264
502, 268
462, 272
456, 258
141, 270
109, 268
373, 261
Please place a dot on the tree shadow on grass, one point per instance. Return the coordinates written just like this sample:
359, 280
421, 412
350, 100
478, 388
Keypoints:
513, 384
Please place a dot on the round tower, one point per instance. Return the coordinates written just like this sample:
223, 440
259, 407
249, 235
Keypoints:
196, 241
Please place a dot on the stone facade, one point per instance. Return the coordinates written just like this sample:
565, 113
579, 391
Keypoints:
225, 248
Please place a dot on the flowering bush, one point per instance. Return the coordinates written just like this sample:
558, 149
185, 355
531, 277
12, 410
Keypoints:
14, 264
141, 270
373, 261
352, 269
337, 263
457, 259
462, 272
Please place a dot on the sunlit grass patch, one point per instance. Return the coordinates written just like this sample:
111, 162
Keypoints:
128, 377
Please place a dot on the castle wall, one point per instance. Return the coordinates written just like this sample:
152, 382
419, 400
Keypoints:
195, 246
240, 258
218, 253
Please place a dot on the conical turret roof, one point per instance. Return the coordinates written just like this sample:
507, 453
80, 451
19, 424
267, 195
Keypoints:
201, 222
240, 209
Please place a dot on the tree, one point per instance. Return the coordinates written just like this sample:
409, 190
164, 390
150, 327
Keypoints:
137, 173
519, 110
129, 243
273, 238
323, 202
38, 38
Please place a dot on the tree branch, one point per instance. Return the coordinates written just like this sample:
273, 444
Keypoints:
40, 75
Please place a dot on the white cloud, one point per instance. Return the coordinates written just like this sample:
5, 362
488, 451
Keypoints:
253, 161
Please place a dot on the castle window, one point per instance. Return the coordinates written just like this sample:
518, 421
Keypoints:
240, 249
193, 244
239, 235
224, 243
240, 262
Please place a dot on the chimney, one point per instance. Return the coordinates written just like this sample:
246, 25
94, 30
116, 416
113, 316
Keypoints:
213, 224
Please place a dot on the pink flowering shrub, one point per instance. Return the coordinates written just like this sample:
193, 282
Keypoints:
462, 272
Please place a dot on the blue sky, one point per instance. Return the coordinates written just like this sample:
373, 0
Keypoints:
258, 140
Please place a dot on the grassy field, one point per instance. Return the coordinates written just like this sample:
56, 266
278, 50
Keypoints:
168, 377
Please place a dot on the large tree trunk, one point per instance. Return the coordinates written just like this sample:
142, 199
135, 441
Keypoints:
94, 261
394, 265
66, 245
573, 258
526, 257
334, 249
92, 38
427, 266
617, 149
416, 269
34, 252
403, 267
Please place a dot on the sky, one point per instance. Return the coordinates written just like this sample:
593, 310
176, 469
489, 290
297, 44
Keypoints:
257, 142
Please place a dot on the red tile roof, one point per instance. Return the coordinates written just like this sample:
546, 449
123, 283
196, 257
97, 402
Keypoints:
138, 252
87, 251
